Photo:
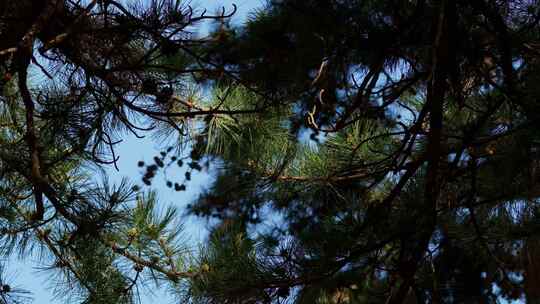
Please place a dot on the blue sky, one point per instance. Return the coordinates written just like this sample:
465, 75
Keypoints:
24, 272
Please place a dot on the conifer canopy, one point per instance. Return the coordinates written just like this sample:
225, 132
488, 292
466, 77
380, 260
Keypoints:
361, 151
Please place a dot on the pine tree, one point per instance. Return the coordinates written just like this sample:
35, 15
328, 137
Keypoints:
399, 162
76, 78
367, 151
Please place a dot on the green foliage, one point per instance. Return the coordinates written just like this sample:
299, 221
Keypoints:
231, 260
363, 151
345, 175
